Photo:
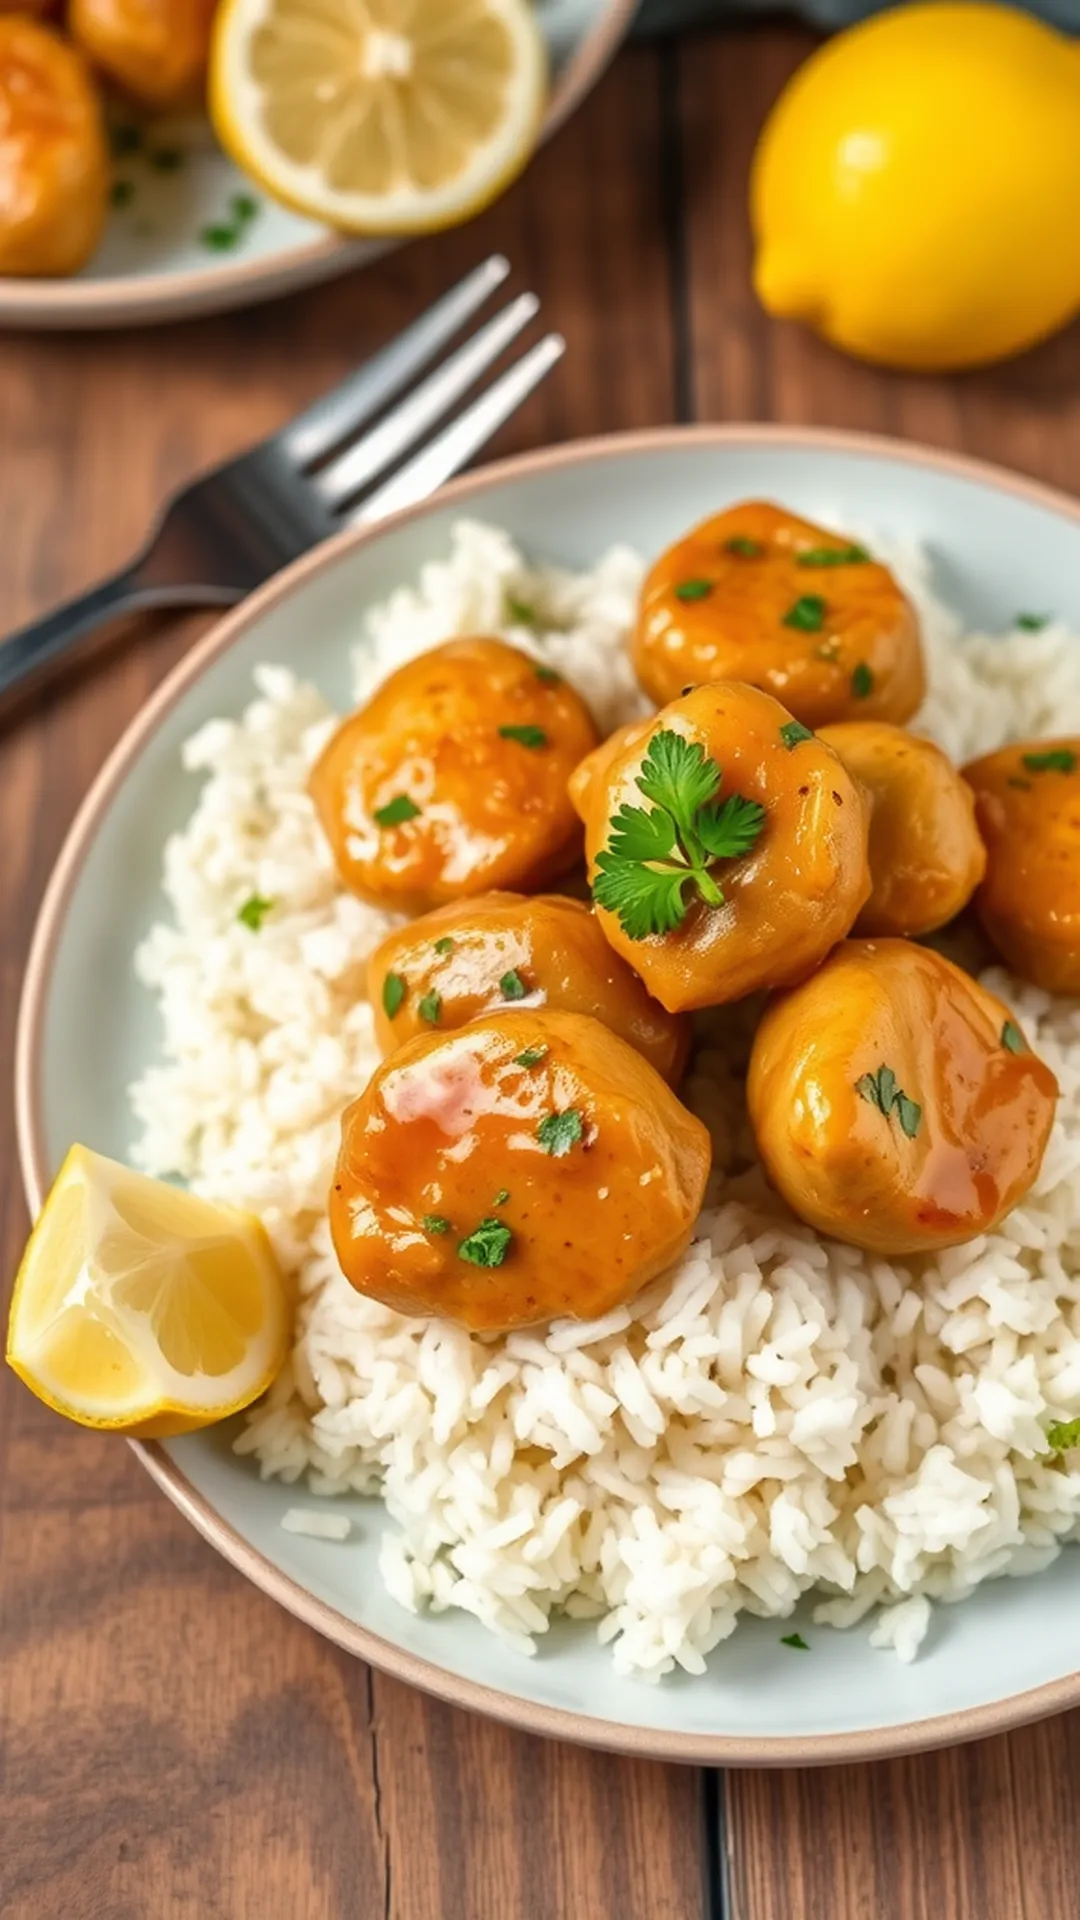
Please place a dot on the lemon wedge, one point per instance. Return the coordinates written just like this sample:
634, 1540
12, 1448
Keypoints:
379, 116
143, 1309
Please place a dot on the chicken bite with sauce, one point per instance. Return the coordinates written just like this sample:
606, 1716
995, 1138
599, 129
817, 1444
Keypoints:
895, 1102
926, 857
757, 594
452, 779
54, 158
508, 949
1027, 803
528, 1167
156, 50
727, 847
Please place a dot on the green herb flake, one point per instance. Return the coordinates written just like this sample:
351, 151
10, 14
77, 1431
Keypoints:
519, 612
1012, 1038
743, 546
1032, 622
219, 239
794, 733
525, 736
862, 681
254, 912
794, 1640
444, 946
1063, 1436
393, 994
124, 140
512, 986
166, 159
548, 676
501, 1197
693, 589
881, 1090
850, 556
531, 1057
653, 859
487, 1245
122, 193
429, 1008
807, 614
558, 1132
243, 208
396, 811
1054, 760
435, 1223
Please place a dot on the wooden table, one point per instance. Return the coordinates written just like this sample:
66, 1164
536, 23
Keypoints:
172, 1745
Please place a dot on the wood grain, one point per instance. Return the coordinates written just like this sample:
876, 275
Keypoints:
982, 1833
170, 1743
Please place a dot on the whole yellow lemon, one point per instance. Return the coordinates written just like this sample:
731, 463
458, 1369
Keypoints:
916, 189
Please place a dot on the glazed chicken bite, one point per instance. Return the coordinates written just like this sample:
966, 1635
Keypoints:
757, 594
506, 949
926, 857
155, 49
895, 1102
528, 1167
452, 779
727, 847
54, 158
1027, 803
589, 774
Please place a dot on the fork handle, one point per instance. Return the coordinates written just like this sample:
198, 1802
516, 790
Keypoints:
29, 649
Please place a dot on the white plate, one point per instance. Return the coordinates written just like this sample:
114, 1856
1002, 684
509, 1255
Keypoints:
1007, 1655
158, 260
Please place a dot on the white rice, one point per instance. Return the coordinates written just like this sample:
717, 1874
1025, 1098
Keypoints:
782, 1413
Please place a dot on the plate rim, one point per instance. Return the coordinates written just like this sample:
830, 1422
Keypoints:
136, 298
657, 1743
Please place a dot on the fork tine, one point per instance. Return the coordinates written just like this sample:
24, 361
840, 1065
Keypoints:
454, 447
377, 451
342, 411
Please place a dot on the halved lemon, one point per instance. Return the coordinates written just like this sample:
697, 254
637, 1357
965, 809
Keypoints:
141, 1308
379, 116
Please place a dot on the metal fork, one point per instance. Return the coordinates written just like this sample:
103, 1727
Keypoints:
232, 528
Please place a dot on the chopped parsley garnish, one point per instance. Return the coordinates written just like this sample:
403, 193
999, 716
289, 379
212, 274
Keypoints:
525, 736
429, 1008
531, 1057
122, 193
1055, 760
244, 208
393, 994
396, 811
652, 858
520, 611
558, 1132
166, 159
1032, 622
512, 986
548, 676
807, 614
832, 557
693, 589
794, 733
741, 544
220, 239
254, 911
1063, 1436
1012, 1038
487, 1245
794, 1640
435, 1223
881, 1090
501, 1197
862, 681
445, 945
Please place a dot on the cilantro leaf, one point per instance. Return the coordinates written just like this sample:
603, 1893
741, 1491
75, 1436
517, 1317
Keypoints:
429, 1008
741, 544
1063, 1436
693, 589
1055, 760
444, 946
435, 1223
638, 835
882, 1092
862, 681
501, 1197
644, 899
512, 986
832, 557
254, 911
807, 613
396, 811
1032, 622
794, 733
679, 776
531, 1057
728, 829
1012, 1038
794, 1640
520, 612
548, 676
487, 1245
525, 736
558, 1132
393, 994
909, 1114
